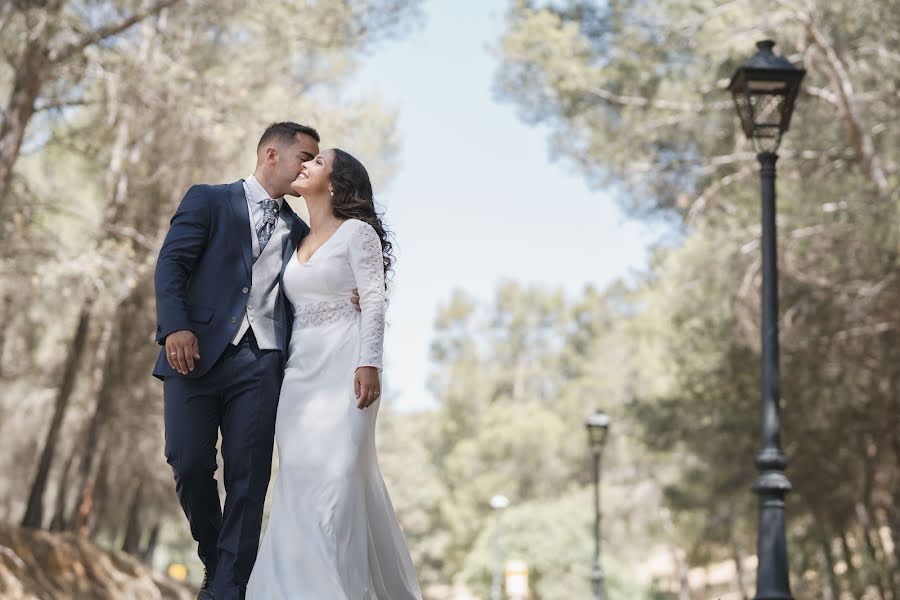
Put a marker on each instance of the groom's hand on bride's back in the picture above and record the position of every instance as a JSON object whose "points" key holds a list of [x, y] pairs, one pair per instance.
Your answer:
{"points": [[182, 348], [355, 299]]}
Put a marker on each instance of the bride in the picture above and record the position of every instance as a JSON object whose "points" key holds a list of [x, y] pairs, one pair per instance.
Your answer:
{"points": [[332, 532]]}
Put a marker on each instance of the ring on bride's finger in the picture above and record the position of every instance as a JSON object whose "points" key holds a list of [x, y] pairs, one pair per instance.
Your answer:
{"points": [[174, 353]]}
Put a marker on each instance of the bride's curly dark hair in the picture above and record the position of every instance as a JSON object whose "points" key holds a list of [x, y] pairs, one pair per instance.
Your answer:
{"points": [[353, 199]]}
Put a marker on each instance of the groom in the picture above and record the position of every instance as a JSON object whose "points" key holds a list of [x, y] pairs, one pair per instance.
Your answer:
{"points": [[225, 325]]}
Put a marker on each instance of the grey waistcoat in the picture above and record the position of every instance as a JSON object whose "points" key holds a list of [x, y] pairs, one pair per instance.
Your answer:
{"points": [[264, 289]]}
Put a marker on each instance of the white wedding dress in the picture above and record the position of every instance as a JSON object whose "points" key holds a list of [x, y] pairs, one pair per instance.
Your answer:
{"points": [[332, 532]]}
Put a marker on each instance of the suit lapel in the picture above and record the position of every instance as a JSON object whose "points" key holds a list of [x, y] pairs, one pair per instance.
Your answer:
{"points": [[238, 202]]}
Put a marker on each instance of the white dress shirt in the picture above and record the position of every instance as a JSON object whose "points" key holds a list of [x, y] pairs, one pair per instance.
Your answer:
{"points": [[255, 193]]}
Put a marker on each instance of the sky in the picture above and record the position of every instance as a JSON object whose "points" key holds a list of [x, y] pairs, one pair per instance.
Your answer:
{"points": [[477, 198]]}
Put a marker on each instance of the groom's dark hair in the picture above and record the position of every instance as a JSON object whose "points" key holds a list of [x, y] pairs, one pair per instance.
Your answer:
{"points": [[285, 132]]}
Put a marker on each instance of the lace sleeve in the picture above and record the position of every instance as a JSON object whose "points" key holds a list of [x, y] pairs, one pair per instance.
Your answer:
{"points": [[366, 259]]}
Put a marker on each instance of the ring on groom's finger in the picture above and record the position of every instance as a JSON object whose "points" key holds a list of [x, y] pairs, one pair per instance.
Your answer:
{"points": [[174, 354]]}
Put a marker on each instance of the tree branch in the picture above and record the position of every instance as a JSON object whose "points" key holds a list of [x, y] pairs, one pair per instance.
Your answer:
{"points": [[107, 31], [613, 98], [128, 232], [5, 17], [60, 104], [713, 162], [699, 205], [822, 93], [860, 140]]}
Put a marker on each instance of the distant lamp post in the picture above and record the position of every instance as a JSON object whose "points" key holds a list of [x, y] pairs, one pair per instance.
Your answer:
{"points": [[498, 503], [764, 91], [597, 428]]}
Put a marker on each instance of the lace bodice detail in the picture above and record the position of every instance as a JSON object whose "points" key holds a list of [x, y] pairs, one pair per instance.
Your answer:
{"points": [[320, 290], [323, 313]]}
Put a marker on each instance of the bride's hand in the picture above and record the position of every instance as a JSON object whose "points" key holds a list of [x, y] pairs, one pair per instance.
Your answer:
{"points": [[367, 386]]}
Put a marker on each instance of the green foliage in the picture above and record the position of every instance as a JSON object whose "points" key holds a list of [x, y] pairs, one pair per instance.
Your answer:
{"points": [[516, 380], [553, 537]]}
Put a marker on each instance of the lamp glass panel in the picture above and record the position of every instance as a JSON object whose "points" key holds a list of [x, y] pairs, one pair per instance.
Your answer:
{"points": [[756, 85], [597, 435]]}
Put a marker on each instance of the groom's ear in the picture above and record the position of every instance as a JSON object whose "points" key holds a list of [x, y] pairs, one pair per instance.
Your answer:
{"points": [[266, 154]]}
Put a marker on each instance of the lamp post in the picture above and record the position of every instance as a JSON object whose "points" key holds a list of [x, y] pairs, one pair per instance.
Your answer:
{"points": [[764, 91], [498, 503], [597, 427]]}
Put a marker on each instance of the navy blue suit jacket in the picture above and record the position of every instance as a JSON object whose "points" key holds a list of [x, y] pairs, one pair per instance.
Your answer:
{"points": [[204, 268]]}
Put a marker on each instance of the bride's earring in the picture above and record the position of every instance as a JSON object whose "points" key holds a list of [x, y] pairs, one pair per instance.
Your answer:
{"points": [[331, 191]]}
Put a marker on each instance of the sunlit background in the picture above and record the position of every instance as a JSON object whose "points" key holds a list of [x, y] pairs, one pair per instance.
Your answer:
{"points": [[576, 215], [478, 196]]}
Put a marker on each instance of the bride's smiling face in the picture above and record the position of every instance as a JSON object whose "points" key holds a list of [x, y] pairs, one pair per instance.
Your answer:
{"points": [[315, 175]]}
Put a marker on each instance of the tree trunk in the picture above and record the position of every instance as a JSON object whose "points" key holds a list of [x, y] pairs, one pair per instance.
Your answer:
{"points": [[740, 573], [4, 312], [94, 522], [684, 584], [133, 532], [870, 454], [29, 74], [34, 513], [146, 554], [98, 419], [856, 584], [830, 587], [878, 559], [892, 509], [57, 523]]}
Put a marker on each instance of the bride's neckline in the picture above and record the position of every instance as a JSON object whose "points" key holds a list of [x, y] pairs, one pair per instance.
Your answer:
{"points": [[322, 245]]}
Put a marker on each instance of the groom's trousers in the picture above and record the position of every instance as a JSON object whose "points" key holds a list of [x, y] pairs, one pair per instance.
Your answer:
{"points": [[238, 395]]}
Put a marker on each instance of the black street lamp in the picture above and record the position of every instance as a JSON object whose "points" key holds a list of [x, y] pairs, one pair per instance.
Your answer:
{"points": [[597, 427], [764, 92]]}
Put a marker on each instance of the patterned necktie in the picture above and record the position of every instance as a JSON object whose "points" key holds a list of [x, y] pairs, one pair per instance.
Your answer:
{"points": [[267, 227]]}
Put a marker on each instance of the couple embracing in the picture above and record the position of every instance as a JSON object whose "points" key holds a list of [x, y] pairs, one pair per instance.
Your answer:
{"points": [[273, 331]]}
